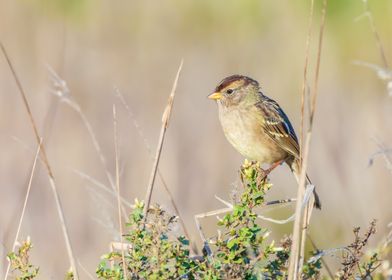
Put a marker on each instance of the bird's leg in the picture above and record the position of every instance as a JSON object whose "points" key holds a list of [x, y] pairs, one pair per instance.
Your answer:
{"points": [[272, 167]]}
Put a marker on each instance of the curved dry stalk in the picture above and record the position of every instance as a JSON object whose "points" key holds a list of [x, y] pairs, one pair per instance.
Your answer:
{"points": [[52, 183]]}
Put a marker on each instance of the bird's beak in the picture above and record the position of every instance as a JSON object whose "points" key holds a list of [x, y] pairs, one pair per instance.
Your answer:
{"points": [[216, 95]]}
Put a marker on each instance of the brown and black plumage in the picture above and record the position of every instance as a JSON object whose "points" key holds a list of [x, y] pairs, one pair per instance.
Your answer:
{"points": [[256, 125]]}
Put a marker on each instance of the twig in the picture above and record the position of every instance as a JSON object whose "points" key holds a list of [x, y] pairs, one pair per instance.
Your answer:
{"points": [[280, 201], [307, 197], [46, 163], [299, 234], [24, 206], [150, 152], [165, 124]]}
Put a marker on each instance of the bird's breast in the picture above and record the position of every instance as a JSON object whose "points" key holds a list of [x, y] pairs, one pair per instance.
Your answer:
{"points": [[244, 130]]}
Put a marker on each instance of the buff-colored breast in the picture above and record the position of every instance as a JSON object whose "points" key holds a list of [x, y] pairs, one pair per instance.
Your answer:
{"points": [[244, 130]]}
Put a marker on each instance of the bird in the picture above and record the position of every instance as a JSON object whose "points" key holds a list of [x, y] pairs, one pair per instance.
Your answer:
{"points": [[256, 126]]}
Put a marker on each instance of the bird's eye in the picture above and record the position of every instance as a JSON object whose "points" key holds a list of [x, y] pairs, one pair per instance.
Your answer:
{"points": [[229, 91]]}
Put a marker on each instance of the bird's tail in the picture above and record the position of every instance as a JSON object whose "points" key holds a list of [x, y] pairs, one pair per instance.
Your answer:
{"points": [[317, 202], [295, 168]]}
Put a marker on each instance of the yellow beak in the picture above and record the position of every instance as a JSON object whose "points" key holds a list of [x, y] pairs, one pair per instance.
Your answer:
{"points": [[215, 95]]}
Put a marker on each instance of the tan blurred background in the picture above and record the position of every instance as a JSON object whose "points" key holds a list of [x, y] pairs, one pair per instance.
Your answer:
{"points": [[136, 46]]}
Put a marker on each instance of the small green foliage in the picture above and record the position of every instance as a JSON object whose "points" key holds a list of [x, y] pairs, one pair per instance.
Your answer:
{"points": [[367, 268], [242, 244], [20, 262], [311, 270], [70, 275], [241, 250], [276, 268], [152, 254]]}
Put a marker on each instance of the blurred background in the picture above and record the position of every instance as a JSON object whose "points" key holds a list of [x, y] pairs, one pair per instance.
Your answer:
{"points": [[136, 47]]}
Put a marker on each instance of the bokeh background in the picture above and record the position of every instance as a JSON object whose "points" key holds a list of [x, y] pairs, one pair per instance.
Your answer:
{"points": [[136, 47]]}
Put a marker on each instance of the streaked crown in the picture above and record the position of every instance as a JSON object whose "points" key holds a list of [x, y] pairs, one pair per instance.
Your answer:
{"points": [[235, 81]]}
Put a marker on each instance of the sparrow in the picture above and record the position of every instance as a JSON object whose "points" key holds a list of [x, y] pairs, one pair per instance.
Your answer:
{"points": [[256, 125]]}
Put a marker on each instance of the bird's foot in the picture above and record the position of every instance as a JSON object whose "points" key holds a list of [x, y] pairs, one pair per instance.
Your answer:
{"points": [[262, 175]]}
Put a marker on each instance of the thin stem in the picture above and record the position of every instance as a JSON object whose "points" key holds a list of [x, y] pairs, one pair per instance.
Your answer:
{"points": [[150, 152], [118, 191], [297, 249], [317, 71], [24, 205], [47, 165], [305, 76], [375, 33], [165, 124]]}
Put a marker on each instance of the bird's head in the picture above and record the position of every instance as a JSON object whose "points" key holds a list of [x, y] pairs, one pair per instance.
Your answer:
{"points": [[235, 90]]}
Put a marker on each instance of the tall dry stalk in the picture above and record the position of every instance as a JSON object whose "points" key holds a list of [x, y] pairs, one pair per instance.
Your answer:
{"points": [[118, 191], [24, 206], [52, 183], [150, 152], [302, 217], [165, 124]]}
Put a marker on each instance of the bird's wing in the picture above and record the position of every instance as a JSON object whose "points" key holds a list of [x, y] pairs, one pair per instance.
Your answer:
{"points": [[277, 125]]}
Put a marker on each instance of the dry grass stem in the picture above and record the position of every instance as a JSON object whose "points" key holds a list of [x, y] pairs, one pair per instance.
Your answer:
{"points": [[165, 123], [24, 205], [103, 187], [302, 217], [118, 190], [150, 152], [61, 90], [89, 275], [317, 70], [305, 76], [46, 163], [375, 33]]}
